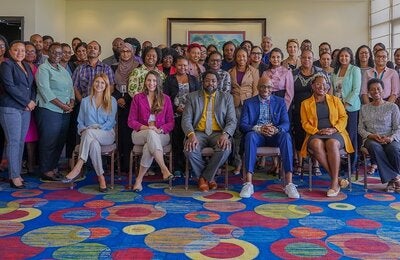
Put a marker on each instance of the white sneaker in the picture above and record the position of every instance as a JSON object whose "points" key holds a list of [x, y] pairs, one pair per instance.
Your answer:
{"points": [[247, 190], [291, 191]]}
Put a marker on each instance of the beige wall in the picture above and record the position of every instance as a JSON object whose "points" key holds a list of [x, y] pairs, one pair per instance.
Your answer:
{"points": [[340, 22]]}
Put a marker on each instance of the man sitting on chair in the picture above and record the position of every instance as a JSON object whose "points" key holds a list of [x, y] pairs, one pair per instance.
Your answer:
{"points": [[265, 122], [208, 120]]}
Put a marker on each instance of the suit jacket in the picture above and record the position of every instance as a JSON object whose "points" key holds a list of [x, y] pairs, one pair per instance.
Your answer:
{"points": [[18, 88], [337, 118], [223, 109], [248, 88], [140, 112], [251, 114]]}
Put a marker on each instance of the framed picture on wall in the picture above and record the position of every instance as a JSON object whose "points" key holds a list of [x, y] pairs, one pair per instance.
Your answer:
{"points": [[217, 38], [183, 30]]}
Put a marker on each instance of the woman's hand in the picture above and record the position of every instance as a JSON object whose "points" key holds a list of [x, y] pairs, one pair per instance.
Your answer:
{"points": [[327, 131], [378, 138]]}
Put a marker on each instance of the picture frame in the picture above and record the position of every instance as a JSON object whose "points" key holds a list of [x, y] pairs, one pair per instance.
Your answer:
{"points": [[217, 38], [178, 28]]}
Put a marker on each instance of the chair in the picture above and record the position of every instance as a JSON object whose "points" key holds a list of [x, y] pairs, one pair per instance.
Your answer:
{"points": [[110, 151], [343, 154], [366, 156], [269, 151], [135, 155], [206, 152]]}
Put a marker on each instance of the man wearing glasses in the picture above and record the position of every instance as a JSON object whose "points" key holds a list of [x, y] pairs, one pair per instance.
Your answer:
{"points": [[214, 64], [265, 122]]}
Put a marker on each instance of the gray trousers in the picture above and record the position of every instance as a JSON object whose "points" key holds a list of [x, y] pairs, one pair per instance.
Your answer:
{"points": [[15, 123], [217, 160], [386, 156], [91, 142], [151, 141]]}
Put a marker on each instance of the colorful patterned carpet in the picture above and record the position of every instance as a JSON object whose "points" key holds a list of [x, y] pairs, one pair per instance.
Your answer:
{"points": [[50, 221]]}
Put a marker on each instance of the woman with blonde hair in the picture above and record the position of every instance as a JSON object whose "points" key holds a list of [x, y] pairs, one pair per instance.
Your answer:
{"points": [[152, 119], [96, 122], [292, 62]]}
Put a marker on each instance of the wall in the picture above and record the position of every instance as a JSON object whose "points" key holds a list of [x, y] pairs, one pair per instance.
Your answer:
{"points": [[340, 22], [41, 16]]}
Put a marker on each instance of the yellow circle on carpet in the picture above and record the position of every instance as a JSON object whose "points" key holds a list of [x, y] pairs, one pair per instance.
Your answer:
{"points": [[138, 229], [341, 206], [282, 211], [249, 251], [11, 206]]}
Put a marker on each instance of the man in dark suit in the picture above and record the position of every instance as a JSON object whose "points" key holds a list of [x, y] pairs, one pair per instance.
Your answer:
{"points": [[208, 120], [265, 122]]}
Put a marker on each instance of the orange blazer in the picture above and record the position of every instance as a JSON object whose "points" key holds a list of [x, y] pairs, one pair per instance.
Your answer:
{"points": [[337, 117]]}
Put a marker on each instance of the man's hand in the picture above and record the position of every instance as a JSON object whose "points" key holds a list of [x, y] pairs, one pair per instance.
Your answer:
{"points": [[269, 130], [223, 142], [31, 105], [191, 143]]}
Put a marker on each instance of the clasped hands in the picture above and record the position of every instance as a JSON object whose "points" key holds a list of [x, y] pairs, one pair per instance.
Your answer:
{"points": [[381, 139], [327, 131], [269, 130], [223, 142]]}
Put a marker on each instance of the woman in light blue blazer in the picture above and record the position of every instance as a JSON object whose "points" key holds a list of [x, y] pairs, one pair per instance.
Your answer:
{"points": [[346, 85]]}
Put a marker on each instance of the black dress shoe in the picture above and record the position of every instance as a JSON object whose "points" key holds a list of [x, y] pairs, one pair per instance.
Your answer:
{"points": [[12, 185], [103, 190]]}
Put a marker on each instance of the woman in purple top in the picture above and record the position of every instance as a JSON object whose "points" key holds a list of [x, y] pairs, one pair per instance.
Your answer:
{"points": [[281, 77], [152, 119]]}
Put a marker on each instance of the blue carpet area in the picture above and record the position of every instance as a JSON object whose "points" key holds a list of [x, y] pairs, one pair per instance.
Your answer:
{"points": [[50, 221]]}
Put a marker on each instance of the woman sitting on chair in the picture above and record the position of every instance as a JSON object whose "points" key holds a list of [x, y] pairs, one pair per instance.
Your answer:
{"points": [[379, 126], [96, 122], [324, 120], [152, 119]]}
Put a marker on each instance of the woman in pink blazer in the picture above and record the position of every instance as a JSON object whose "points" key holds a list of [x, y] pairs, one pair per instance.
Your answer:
{"points": [[151, 118]]}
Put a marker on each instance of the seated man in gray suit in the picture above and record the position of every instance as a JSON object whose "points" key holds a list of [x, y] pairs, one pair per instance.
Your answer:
{"points": [[208, 120]]}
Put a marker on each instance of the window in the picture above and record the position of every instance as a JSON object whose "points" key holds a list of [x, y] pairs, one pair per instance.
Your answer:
{"points": [[385, 23]]}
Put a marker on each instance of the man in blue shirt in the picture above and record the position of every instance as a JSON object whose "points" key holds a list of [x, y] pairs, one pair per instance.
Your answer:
{"points": [[265, 122]]}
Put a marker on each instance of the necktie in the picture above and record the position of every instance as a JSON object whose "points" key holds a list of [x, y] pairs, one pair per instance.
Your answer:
{"points": [[208, 129]]}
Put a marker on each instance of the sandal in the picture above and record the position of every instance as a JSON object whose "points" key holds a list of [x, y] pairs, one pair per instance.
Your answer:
{"points": [[297, 170], [343, 183], [316, 170], [391, 186], [372, 169]]}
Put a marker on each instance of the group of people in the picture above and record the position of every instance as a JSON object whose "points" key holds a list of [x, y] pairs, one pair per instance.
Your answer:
{"points": [[194, 96]]}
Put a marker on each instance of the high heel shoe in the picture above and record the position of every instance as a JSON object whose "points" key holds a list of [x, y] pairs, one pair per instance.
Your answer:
{"points": [[137, 189], [169, 177], [67, 180], [103, 190], [20, 187]]}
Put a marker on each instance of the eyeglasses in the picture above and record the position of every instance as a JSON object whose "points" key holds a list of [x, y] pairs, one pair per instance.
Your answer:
{"points": [[2, 46], [125, 51], [215, 60], [57, 53], [30, 52], [266, 86], [256, 53], [381, 56]]}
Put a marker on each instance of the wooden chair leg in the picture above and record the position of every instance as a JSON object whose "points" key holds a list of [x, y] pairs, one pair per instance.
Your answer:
{"points": [[349, 170], [130, 170], [170, 170], [310, 173], [187, 175], [365, 174], [112, 169], [226, 176]]}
